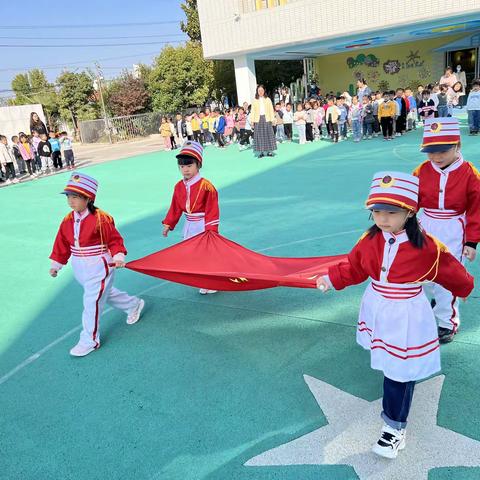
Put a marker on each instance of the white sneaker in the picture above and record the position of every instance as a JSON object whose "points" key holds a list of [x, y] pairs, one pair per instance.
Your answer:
{"points": [[15, 180], [80, 350], [390, 442], [8, 182], [134, 316], [205, 291]]}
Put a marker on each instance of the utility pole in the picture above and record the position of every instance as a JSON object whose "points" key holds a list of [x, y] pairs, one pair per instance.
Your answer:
{"points": [[99, 84]]}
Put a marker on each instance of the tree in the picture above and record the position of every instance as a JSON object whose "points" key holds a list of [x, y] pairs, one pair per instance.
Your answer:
{"points": [[273, 73], [192, 26], [21, 85], [127, 96], [224, 80], [33, 87], [180, 78], [77, 97]]}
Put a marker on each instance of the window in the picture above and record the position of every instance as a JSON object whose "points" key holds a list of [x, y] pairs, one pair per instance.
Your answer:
{"points": [[254, 5]]}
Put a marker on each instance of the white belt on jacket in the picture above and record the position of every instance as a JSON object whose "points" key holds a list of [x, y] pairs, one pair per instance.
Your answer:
{"points": [[396, 291], [440, 214], [91, 251], [195, 217]]}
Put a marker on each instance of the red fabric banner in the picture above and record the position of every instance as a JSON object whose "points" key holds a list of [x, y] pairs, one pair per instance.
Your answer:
{"points": [[211, 261]]}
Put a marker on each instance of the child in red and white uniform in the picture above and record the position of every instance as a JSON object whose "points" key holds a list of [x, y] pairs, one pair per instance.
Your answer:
{"points": [[396, 322], [193, 196], [88, 235], [450, 198]]}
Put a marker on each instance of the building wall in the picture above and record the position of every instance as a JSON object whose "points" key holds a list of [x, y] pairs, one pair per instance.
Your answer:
{"points": [[228, 31], [15, 119], [416, 63]]}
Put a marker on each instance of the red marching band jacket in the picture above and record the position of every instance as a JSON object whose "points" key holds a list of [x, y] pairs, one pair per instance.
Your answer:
{"points": [[456, 188], [203, 199], [411, 265], [96, 231]]}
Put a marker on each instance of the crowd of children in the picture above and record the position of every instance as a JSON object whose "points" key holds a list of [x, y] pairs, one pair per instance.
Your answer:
{"points": [[28, 156], [337, 118]]}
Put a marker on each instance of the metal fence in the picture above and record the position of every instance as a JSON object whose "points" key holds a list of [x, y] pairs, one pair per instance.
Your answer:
{"points": [[118, 129]]}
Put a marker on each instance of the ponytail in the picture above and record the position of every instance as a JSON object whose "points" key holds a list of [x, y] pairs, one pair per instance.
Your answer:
{"points": [[91, 207], [414, 232]]}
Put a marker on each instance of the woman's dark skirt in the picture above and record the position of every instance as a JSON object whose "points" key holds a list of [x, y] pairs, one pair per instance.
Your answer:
{"points": [[264, 136]]}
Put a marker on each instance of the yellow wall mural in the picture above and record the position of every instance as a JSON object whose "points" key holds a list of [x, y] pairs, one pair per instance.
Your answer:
{"points": [[388, 67]]}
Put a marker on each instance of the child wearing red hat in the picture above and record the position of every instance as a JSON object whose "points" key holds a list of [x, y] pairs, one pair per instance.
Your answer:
{"points": [[450, 198], [88, 235], [194, 196], [396, 322]]}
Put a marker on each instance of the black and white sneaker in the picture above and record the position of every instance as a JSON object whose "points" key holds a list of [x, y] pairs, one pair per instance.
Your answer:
{"points": [[445, 335], [390, 442]]}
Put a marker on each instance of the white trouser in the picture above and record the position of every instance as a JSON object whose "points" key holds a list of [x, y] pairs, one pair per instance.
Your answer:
{"points": [[451, 232], [96, 277], [47, 163]]}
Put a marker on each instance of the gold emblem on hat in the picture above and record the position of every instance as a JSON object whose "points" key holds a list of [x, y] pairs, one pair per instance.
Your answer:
{"points": [[76, 178], [436, 127], [387, 181]]}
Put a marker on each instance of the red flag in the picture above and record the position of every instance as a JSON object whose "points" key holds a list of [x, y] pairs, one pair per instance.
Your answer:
{"points": [[211, 261]]}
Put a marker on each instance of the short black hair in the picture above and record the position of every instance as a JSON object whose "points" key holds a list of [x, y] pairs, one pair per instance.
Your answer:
{"points": [[14, 137], [2, 137], [187, 160]]}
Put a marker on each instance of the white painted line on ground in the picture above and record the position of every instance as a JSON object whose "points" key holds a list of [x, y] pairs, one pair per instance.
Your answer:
{"points": [[401, 157], [37, 355]]}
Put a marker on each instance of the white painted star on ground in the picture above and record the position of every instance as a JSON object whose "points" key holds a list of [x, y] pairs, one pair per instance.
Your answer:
{"points": [[354, 426]]}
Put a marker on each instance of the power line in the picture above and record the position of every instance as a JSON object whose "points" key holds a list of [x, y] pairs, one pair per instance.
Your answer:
{"points": [[88, 45], [94, 38], [95, 25], [81, 62]]}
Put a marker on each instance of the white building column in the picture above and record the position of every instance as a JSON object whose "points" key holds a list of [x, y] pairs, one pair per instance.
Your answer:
{"points": [[245, 78]]}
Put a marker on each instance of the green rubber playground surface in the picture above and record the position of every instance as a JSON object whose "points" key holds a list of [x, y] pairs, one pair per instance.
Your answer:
{"points": [[201, 384]]}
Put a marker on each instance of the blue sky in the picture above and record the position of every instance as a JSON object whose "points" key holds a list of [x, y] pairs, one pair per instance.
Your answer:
{"points": [[42, 28]]}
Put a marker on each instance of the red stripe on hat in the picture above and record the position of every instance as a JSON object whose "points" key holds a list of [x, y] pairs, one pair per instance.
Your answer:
{"points": [[82, 191], [441, 140], [391, 199], [193, 153], [397, 187], [398, 180]]}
